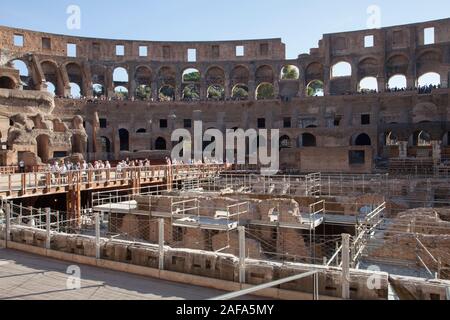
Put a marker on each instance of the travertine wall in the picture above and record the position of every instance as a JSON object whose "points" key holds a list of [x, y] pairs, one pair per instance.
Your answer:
{"points": [[319, 131]]}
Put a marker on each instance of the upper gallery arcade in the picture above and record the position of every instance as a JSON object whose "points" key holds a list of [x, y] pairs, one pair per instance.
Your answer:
{"points": [[368, 61]]}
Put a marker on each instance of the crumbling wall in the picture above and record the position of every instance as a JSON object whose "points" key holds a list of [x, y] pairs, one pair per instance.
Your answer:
{"points": [[400, 240]]}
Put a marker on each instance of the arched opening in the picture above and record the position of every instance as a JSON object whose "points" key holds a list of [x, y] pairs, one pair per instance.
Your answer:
{"points": [[160, 144], [120, 77], [315, 89], [21, 66], [426, 65], [368, 85], [143, 78], [215, 76], [240, 75], [191, 75], [124, 137], [98, 90], [75, 75], [308, 140], [429, 80], [77, 144], [397, 82], [264, 74], [51, 75], [98, 80], [216, 92], [121, 92], [265, 91], [368, 67], [240, 92], [290, 72], [167, 93], [421, 139], [25, 80], [391, 139], [51, 88], [313, 72], [362, 140], [75, 90], [43, 147], [143, 92], [166, 84], [7, 83], [105, 145], [397, 65], [285, 142], [341, 69], [191, 92]]}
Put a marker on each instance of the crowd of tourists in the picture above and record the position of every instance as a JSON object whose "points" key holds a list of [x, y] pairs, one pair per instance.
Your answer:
{"points": [[63, 167]]}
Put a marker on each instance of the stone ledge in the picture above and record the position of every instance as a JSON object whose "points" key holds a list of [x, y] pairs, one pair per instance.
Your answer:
{"points": [[228, 286]]}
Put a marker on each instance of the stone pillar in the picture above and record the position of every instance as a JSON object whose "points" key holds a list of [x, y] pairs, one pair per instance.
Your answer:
{"points": [[178, 90], [436, 150], [63, 83], [381, 84], [403, 149], [155, 92], [37, 74], [276, 89], [203, 88], [227, 88], [354, 83], [251, 90], [301, 85], [132, 85], [326, 80], [115, 143], [87, 89], [95, 128], [109, 83]]}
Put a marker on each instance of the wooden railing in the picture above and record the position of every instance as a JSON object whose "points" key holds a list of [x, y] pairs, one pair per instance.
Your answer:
{"points": [[42, 182], [8, 170]]}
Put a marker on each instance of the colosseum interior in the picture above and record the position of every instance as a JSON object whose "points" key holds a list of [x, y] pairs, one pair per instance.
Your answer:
{"points": [[364, 122]]}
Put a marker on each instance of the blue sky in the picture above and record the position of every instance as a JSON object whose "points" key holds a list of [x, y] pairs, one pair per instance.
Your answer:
{"points": [[299, 23]]}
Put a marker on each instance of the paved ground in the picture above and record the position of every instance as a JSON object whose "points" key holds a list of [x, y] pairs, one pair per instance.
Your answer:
{"points": [[28, 277]]}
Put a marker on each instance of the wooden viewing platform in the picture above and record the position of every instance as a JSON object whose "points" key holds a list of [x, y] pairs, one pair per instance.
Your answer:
{"points": [[22, 185]]}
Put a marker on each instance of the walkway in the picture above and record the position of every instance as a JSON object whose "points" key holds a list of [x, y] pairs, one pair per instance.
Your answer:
{"points": [[28, 277]]}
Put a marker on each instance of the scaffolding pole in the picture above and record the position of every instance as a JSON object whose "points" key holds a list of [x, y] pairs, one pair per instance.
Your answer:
{"points": [[97, 235], [8, 224], [345, 266], [47, 228], [241, 231], [161, 244]]}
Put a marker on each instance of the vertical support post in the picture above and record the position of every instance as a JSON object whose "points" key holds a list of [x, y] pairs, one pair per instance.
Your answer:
{"points": [[47, 228], [345, 266], [439, 268], [329, 186], [316, 287], [363, 184], [8, 224], [97, 235], [241, 231], [161, 244], [20, 216], [337, 256]]}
